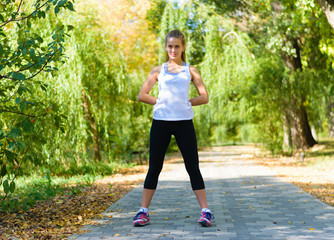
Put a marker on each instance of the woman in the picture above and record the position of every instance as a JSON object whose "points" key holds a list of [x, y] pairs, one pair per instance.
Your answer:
{"points": [[172, 115]]}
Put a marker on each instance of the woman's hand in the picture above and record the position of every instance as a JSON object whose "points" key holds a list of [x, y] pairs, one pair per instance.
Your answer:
{"points": [[144, 93], [202, 97]]}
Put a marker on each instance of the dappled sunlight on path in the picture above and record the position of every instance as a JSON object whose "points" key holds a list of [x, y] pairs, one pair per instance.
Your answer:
{"points": [[248, 201]]}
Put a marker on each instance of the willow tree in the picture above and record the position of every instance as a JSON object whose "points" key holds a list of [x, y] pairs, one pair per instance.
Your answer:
{"points": [[271, 65], [221, 53], [92, 90]]}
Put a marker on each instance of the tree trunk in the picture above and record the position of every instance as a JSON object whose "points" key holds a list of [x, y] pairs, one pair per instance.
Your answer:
{"points": [[91, 119], [331, 119], [327, 7], [297, 127], [287, 142], [296, 117]]}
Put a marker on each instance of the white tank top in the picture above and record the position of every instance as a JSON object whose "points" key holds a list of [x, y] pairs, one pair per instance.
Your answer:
{"points": [[173, 101]]}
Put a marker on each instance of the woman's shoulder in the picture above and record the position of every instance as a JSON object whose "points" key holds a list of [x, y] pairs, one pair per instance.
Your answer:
{"points": [[155, 72], [193, 70], [156, 69]]}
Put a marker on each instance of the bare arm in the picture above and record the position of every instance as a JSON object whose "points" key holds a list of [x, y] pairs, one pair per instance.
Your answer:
{"points": [[144, 93], [202, 97]]}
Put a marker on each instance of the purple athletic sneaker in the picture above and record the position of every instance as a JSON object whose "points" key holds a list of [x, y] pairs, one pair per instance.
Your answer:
{"points": [[141, 219], [205, 219]]}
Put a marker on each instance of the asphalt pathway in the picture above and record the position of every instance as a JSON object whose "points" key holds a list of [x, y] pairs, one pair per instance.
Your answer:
{"points": [[248, 202]]}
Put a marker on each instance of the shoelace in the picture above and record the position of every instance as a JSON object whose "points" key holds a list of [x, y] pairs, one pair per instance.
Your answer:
{"points": [[209, 215], [138, 215]]}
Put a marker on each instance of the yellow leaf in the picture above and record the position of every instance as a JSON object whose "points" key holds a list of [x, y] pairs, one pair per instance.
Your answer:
{"points": [[212, 190], [165, 218], [311, 229], [117, 235]]}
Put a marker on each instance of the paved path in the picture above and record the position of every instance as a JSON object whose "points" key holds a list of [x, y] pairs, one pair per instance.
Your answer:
{"points": [[247, 201]]}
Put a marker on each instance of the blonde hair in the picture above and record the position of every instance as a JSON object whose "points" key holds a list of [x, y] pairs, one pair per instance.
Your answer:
{"points": [[177, 34]]}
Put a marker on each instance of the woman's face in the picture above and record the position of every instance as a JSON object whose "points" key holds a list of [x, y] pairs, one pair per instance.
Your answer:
{"points": [[174, 48]]}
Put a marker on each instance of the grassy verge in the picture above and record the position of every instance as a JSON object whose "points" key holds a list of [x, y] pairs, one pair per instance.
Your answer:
{"points": [[39, 187], [62, 207]]}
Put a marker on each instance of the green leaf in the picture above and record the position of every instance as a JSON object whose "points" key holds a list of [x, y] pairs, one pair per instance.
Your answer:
{"points": [[3, 170], [14, 133], [57, 9], [43, 87], [24, 51], [62, 2], [17, 100], [20, 145], [70, 6], [39, 39], [32, 53], [1, 67], [22, 106], [70, 27], [6, 186], [19, 76], [27, 126], [28, 23], [11, 146], [1, 18], [12, 186], [31, 103], [1, 49], [9, 155], [21, 90]]}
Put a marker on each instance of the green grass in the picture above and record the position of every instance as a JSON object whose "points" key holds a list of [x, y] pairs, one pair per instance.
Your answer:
{"points": [[44, 184], [322, 159]]}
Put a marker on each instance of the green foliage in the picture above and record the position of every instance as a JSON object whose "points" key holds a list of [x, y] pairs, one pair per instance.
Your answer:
{"points": [[153, 15], [245, 65], [26, 54]]}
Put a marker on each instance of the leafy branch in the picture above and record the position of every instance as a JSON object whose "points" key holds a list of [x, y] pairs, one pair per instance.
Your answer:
{"points": [[16, 20]]}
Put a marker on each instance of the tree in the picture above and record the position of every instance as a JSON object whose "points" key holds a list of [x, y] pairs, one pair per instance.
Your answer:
{"points": [[25, 55], [327, 7]]}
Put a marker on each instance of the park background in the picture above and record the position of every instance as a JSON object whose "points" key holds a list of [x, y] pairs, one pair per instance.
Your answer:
{"points": [[70, 74]]}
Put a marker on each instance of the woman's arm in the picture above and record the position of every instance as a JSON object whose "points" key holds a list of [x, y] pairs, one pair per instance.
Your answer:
{"points": [[202, 97], [144, 93]]}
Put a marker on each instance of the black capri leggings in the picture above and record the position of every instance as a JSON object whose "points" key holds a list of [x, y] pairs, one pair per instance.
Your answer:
{"points": [[184, 132]]}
